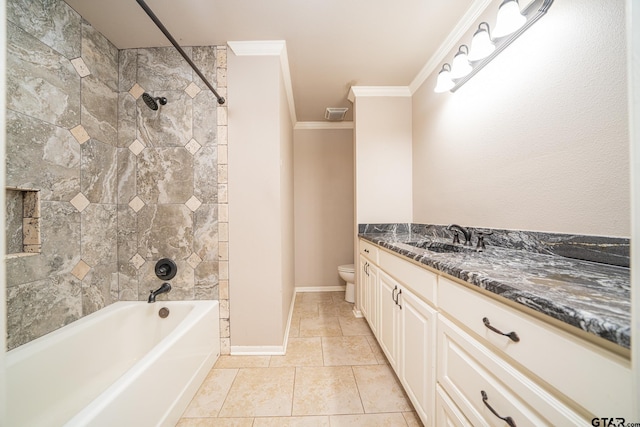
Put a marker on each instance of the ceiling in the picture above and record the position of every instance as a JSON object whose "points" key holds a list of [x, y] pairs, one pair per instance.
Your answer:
{"points": [[331, 44]]}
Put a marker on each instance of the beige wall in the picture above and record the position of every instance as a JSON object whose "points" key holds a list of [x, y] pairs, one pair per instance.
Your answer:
{"points": [[538, 140], [260, 235], [324, 207], [382, 157]]}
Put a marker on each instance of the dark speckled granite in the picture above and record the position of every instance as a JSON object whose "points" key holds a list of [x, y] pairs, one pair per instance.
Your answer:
{"points": [[592, 296]]}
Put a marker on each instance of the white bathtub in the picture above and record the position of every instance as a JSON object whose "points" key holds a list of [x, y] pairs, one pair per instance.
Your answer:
{"points": [[120, 366]]}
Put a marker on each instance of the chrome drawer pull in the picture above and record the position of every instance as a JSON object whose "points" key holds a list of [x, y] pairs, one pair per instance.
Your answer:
{"points": [[507, 420], [514, 337]]}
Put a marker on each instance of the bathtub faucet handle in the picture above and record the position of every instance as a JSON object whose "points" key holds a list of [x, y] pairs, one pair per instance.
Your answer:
{"points": [[166, 287]]}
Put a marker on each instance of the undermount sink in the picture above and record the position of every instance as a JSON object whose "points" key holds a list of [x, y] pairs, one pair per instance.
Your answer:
{"points": [[441, 247]]}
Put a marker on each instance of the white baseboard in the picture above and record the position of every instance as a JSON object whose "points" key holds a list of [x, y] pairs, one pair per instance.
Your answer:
{"points": [[321, 288], [357, 313], [257, 350]]}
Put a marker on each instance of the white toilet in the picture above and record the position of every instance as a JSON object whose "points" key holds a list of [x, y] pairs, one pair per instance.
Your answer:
{"points": [[348, 274]]}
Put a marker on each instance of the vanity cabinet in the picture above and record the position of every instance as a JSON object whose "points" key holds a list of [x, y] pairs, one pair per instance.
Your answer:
{"points": [[368, 284], [453, 349]]}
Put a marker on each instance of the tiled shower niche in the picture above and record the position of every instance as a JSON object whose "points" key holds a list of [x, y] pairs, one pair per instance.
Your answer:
{"points": [[22, 224], [121, 185]]}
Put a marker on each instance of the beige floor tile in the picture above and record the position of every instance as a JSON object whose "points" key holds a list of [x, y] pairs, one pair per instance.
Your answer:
{"points": [[294, 327], [412, 419], [354, 326], [260, 392], [328, 309], [316, 297], [292, 422], [305, 309], [326, 391], [377, 351], [368, 420], [242, 362], [380, 390], [211, 394], [300, 352], [344, 308], [337, 296], [320, 327], [215, 422], [342, 351]]}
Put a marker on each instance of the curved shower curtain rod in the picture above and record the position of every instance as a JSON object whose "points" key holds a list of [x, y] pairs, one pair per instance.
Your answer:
{"points": [[175, 44]]}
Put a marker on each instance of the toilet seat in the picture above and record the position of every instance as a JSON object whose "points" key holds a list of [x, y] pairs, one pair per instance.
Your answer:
{"points": [[347, 268]]}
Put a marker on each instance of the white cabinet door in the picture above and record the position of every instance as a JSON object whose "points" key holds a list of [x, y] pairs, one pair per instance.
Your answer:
{"points": [[362, 287], [372, 296], [389, 318], [417, 352]]}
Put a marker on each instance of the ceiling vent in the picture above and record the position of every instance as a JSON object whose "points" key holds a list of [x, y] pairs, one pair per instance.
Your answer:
{"points": [[335, 114]]}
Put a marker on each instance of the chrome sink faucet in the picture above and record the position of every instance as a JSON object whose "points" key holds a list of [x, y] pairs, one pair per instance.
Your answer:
{"points": [[464, 231]]}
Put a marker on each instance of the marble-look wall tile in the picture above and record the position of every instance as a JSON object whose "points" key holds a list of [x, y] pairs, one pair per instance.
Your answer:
{"points": [[99, 110], [99, 234], [165, 175], [165, 231], [127, 241], [54, 23], [205, 117], [34, 145], [98, 174], [170, 125], [163, 69], [41, 82], [60, 246], [206, 280], [206, 174], [205, 59], [127, 113], [126, 176], [97, 287], [100, 56], [205, 227], [127, 69], [37, 308]]}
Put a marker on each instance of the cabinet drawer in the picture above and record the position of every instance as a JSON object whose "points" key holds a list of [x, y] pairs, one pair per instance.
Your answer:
{"points": [[369, 250], [470, 374], [595, 379], [422, 282], [447, 413]]}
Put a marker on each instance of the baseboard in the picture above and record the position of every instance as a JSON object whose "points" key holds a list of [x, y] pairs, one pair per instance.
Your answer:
{"points": [[257, 350], [321, 288], [357, 313]]}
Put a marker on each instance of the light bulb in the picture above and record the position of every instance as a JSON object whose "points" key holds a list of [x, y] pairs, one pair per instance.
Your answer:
{"points": [[444, 82], [509, 18], [460, 66], [481, 44]]}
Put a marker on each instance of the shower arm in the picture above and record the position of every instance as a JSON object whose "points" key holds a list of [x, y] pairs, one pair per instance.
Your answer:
{"points": [[175, 44]]}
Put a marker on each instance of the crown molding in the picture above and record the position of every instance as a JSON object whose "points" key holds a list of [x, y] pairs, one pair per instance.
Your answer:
{"points": [[397, 91], [323, 125], [270, 48], [467, 20]]}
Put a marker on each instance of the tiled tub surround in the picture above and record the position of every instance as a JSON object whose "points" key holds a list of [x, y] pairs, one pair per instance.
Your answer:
{"points": [[120, 185], [594, 297]]}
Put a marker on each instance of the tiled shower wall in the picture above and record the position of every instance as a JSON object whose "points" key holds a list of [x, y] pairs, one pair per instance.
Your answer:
{"points": [[120, 185]]}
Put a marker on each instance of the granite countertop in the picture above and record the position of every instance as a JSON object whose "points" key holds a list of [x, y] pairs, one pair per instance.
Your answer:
{"points": [[592, 296]]}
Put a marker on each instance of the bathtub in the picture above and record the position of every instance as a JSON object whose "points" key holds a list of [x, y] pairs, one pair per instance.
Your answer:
{"points": [[120, 366]]}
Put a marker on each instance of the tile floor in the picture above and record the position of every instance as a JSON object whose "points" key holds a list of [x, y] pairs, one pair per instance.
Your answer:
{"points": [[334, 374]]}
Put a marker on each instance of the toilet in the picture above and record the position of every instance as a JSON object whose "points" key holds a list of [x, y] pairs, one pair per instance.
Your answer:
{"points": [[347, 273]]}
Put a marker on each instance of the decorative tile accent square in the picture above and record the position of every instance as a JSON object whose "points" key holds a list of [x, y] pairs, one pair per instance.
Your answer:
{"points": [[80, 202], [192, 146], [136, 91], [136, 147], [81, 269], [137, 261], [193, 203], [80, 134], [194, 260], [192, 90], [136, 204], [81, 67]]}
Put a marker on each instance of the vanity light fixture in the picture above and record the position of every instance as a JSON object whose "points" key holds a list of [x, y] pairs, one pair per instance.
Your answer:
{"points": [[481, 44], [509, 18], [460, 66], [484, 48], [444, 80]]}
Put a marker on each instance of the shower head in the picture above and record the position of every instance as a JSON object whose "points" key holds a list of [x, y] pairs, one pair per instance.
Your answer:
{"points": [[153, 102]]}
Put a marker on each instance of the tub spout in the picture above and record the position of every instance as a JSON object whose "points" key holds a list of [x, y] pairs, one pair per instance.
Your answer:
{"points": [[161, 290]]}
